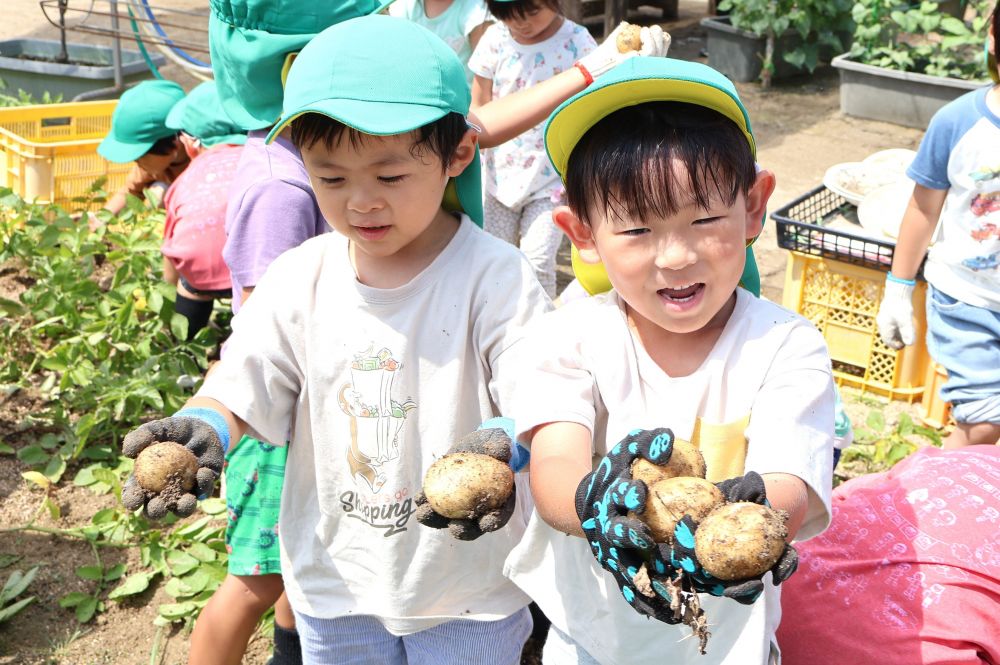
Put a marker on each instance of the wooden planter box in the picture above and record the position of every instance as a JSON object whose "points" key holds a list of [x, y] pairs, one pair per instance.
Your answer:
{"points": [[902, 98]]}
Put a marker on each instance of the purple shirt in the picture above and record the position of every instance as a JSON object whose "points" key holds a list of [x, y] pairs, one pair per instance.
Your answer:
{"points": [[271, 209]]}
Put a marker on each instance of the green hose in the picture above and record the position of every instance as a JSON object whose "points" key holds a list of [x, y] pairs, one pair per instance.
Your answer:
{"points": [[142, 48]]}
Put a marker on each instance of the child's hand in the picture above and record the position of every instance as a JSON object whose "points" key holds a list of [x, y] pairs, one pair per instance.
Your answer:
{"points": [[654, 42], [622, 544], [204, 436], [748, 488], [495, 439], [895, 314]]}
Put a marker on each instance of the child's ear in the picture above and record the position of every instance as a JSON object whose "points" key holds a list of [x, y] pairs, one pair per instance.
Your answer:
{"points": [[464, 153], [757, 198], [578, 233]]}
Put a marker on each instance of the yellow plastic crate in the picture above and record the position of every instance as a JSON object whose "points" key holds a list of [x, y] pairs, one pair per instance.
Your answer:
{"points": [[933, 410], [842, 301], [48, 152]]}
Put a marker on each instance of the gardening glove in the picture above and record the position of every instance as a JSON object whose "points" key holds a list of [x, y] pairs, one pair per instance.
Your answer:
{"points": [[745, 488], [622, 544], [605, 57], [204, 432], [494, 438], [895, 314]]}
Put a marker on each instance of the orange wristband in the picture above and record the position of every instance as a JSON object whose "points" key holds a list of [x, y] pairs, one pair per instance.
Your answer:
{"points": [[587, 77]]}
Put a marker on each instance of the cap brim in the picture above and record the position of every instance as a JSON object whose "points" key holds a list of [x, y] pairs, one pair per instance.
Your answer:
{"points": [[577, 115], [120, 152], [377, 118], [231, 139]]}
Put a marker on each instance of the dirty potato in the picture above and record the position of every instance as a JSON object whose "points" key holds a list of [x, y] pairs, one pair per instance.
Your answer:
{"points": [[467, 485], [740, 540], [166, 464], [685, 460], [670, 499]]}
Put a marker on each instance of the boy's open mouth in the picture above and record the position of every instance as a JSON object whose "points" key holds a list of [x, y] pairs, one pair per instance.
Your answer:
{"points": [[683, 293]]}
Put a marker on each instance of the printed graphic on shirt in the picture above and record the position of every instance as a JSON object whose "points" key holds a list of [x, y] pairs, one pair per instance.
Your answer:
{"points": [[376, 419], [985, 205]]}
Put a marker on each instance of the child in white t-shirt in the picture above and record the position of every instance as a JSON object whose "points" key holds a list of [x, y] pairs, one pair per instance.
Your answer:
{"points": [[460, 23], [658, 160], [531, 43], [370, 350]]}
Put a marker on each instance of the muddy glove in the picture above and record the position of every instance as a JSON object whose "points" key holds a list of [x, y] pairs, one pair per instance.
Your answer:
{"points": [[745, 488], [202, 431], [607, 56], [895, 314], [622, 544], [494, 438]]}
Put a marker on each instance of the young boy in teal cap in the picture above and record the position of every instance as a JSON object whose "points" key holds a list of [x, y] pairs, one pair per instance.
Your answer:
{"points": [[139, 134], [658, 161], [370, 350]]}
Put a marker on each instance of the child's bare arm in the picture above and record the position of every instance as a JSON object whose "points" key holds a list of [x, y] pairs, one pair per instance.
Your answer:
{"points": [[787, 492], [560, 458], [482, 93], [915, 233], [477, 33]]}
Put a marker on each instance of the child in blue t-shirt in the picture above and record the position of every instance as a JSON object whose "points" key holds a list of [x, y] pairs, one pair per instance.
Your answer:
{"points": [[957, 175]]}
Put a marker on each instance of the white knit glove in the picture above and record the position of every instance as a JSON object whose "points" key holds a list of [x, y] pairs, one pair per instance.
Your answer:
{"points": [[895, 314], [605, 57]]}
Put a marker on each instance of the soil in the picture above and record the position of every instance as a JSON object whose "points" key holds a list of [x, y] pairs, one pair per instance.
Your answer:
{"points": [[800, 133], [57, 61]]}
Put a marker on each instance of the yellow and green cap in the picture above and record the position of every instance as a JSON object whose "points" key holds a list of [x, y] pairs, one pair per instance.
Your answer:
{"points": [[383, 75], [635, 81], [201, 115], [140, 120], [249, 41]]}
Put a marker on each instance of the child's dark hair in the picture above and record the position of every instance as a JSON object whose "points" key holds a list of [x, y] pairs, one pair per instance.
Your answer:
{"points": [[995, 20], [622, 167], [518, 9], [164, 146], [440, 137]]}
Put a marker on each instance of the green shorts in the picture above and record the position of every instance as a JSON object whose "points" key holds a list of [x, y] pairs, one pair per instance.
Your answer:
{"points": [[255, 474]]}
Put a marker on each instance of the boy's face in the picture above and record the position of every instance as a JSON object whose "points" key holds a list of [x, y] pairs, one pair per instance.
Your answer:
{"points": [[381, 193], [677, 273]]}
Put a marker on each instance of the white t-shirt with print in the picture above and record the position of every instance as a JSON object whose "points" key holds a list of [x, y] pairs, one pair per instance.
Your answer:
{"points": [[374, 385], [518, 171], [762, 400], [453, 25]]}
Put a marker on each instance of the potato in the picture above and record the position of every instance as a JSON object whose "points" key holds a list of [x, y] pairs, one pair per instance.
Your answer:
{"points": [[685, 460], [670, 499], [629, 38], [740, 540], [467, 485], [166, 464]]}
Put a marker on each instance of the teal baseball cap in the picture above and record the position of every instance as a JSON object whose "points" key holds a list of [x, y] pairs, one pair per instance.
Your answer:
{"points": [[140, 120], [250, 40], [201, 115], [383, 75], [635, 81]]}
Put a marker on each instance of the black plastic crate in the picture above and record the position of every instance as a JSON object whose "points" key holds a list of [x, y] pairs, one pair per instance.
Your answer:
{"points": [[801, 228]]}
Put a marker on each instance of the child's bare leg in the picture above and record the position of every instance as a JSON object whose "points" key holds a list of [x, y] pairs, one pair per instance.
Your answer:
{"points": [[229, 619], [287, 648], [971, 434]]}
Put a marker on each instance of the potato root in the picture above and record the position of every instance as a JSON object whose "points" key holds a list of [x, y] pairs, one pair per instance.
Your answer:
{"points": [[467, 485], [685, 460], [166, 464], [740, 540], [629, 38], [670, 499]]}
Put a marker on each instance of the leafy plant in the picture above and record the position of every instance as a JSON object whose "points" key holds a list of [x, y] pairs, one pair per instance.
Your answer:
{"points": [[878, 446], [819, 23], [15, 585], [22, 98], [921, 38], [95, 334]]}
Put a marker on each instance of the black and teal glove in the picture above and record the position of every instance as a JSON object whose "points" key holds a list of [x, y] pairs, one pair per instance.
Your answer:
{"points": [[495, 437], [622, 544], [749, 487], [204, 432]]}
